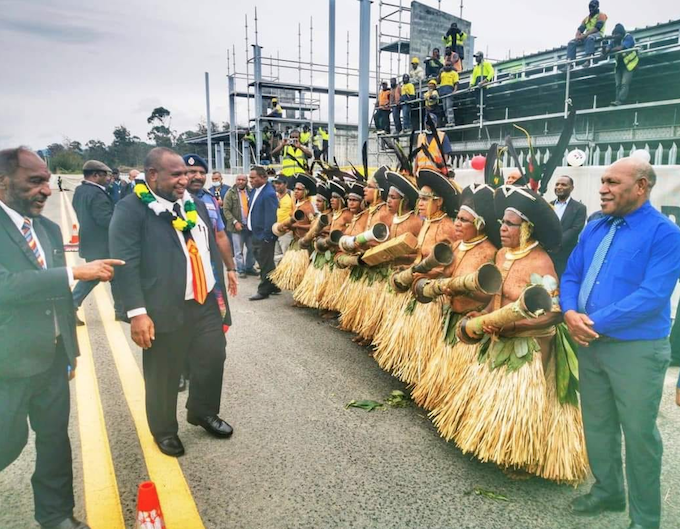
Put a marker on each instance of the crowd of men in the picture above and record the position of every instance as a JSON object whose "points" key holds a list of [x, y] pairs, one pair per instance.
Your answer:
{"points": [[168, 246], [432, 89]]}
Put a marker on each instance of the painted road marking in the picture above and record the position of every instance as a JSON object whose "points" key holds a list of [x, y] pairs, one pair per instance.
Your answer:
{"points": [[177, 502], [102, 499]]}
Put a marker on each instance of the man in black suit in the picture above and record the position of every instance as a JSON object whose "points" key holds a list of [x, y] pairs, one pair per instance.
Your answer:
{"points": [[261, 218], [94, 208], [572, 215], [38, 347], [169, 287]]}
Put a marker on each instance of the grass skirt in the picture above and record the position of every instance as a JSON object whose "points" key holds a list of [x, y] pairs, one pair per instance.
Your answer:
{"points": [[506, 420], [291, 270], [311, 289], [377, 310], [333, 292], [385, 339], [359, 295]]}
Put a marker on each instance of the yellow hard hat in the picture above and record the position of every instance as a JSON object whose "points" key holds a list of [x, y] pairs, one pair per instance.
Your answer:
{"points": [[415, 60], [274, 100]]}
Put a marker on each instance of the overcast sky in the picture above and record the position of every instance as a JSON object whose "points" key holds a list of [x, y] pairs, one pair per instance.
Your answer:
{"points": [[78, 68]]}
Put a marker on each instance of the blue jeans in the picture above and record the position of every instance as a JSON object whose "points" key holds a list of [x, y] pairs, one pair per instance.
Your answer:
{"points": [[396, 118], [588, 44], [406, 116], [242, 239], [447, 103]]}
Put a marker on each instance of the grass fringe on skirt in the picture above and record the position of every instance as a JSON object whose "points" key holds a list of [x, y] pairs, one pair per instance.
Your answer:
{"points": [[386, 339], [506, 420], [377, 310], [311, 289], [565, 460], [359, 294], [331, 294], [291, 270]]}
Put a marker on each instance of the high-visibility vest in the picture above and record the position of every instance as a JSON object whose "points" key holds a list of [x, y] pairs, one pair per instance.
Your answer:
{"points": [[384, 98], [324, 134], [630, 59], [448, 78], [304, 137], [590, 22], [481, 70], [461, 37], [289, 166], [277, 109], [422, 160], [431, 99]]}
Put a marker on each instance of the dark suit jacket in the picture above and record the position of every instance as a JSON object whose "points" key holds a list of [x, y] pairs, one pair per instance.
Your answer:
{"points": [[94, 208], [29, 299], [154, 274], [573, 221], [263, 213]]}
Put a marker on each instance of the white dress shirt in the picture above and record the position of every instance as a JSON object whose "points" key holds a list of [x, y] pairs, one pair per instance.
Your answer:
{"points": [[200, 235], [94, 184], [258, 190], [560, 207]]}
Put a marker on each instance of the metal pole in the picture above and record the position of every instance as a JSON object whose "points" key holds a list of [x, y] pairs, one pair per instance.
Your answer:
{"points": [[246, 155], [233, 127], [257, 69], [566, 91], [221, 164], [209, 124], [247, 77], [331, 79], [364, 63]]}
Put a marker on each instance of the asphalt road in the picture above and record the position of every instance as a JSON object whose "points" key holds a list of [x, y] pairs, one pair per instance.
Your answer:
{"points": [[298, 457]]}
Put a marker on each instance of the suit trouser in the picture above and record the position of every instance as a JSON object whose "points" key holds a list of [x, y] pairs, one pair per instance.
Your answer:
{"points": [[264, 253], [675, 338], [201, 341], [621, 387], [44, 400], [83, 289]]}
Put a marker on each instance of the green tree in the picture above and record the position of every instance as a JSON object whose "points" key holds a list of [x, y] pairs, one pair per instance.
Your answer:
{"points": [[161, 133]]}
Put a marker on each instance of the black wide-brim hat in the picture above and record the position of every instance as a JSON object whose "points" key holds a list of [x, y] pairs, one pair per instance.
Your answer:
{"points": [[355, 188], [308, 182], [337, 187], [547, 227], [381, 179], [480, 199], [443, 188], [333, 171], [405, 185], [323, 189]]}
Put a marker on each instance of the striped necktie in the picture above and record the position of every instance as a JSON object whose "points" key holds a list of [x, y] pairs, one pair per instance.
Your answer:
{"points": [[197, 271], [27, 232], [596, 265]]}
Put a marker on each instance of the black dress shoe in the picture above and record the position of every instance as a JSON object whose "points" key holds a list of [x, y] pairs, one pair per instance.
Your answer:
{"points": [[589, 505], [211, 424], [183, 382], [258, 297], [79, 322], [171, 446], [275, 291], [68, 523]]}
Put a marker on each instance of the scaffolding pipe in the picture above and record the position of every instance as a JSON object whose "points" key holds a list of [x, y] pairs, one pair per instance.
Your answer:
{"points": [[257, 70], [364, 64], [233, 128], [209, 124], [331, 79]]}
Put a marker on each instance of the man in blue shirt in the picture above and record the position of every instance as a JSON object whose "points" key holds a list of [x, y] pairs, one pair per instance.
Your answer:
{"points": [[626, 62], [615, 295]]}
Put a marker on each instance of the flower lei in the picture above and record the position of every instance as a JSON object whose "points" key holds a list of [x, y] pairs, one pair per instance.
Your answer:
{"points": [[142, 191]]}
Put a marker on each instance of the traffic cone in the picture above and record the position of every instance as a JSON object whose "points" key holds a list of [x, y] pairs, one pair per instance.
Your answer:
{"points": [[149, 515], [75, 239]]}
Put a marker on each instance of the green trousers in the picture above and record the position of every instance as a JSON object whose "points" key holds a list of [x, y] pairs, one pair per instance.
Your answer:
{"points": [[621, 388]]}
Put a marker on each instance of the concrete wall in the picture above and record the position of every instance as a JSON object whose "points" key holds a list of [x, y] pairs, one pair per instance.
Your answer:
{"points": [[428, 25]]}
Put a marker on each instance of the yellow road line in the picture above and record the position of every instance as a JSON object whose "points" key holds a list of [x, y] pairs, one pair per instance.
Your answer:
{"points": [[177, 503], [102, 499]]}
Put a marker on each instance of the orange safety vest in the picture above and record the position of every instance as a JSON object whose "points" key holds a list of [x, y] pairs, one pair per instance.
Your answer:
{"points": [[423, 160], [384, 99]]}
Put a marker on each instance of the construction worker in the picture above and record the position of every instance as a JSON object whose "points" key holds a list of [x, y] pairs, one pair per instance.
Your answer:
{"points": [[448, 84], [276, 111], [324, 144], [294, 157], [417, 73], [382, 111], [408, 94], [455, 39], [433, 64], [590, 30], [432, 150], [305, 135], [627, 59], [431, 99], [395, 104], [317, 144], [450, 55], [482, 74]]}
